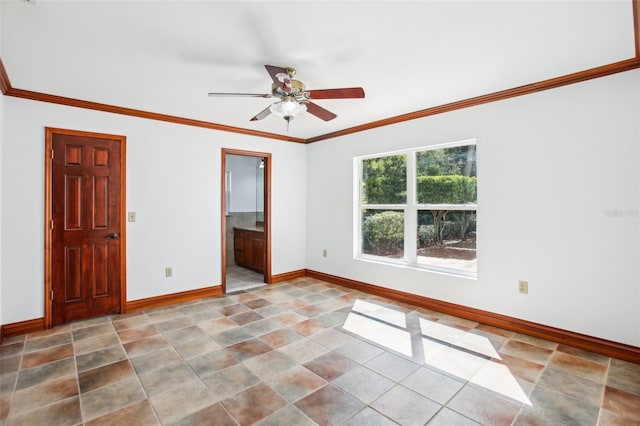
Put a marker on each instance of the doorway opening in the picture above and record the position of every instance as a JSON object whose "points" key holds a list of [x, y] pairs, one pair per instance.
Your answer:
{"points": [[246, 214]]}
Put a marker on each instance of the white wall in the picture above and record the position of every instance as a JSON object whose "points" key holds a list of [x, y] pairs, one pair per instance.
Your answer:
{"points": [[1, 161], [244, 183], [173, 184], [1, 145], [559, 190], [558, 199]]}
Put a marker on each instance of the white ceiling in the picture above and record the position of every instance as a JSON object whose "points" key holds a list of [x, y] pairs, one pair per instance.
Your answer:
{"points": [[165, 56]]}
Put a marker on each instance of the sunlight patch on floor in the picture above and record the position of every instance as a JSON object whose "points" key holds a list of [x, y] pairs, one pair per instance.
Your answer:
{"points": [[386, 335], [381, 313], [460, 338], [457, 352], [497, 378]]}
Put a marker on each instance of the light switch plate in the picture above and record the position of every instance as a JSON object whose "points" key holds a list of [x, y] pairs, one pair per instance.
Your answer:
{"points": [[132, 216], [523, 287]]}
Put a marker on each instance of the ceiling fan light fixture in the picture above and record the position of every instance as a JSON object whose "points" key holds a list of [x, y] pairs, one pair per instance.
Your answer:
{"points": [[294, 98], [287, 108]]}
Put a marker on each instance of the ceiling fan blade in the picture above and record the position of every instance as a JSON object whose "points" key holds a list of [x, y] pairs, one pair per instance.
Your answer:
{"points": [[242, 95], [280, 77], [319, 112], [262, 114], [349, 92]]}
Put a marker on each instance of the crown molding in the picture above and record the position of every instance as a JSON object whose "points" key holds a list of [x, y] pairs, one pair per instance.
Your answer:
{"points": [[78, 103], [636, 25], [5, 84], [527, 89]]}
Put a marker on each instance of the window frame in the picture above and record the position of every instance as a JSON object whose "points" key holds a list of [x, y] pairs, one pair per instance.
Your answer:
{"points": [[410, 211]]}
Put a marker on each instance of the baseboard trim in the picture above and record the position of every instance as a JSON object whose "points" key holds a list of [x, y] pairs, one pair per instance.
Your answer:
{"points": [[581, 341], [37, 324], [171, 298], [22, 327], [300, 273], [588, 343]]}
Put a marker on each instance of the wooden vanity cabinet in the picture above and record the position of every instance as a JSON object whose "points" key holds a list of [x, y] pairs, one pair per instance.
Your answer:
{"points": [[248, 249]]}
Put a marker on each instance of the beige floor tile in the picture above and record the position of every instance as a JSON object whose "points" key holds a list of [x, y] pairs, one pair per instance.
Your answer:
{"points": [[62, 412], [364, 384], [102, 376], [139, 414], [100, 357], [288, 415], [299, 352], [253, 404], [434, 385], [34, 397], [107, 399], [167, 378], [182, 400], [548, 405], [484, 407], [270, 364], [329, 405], [43, 373], [213, 413], [581, 367], [296, 383], [625, 376], [230, 381], [405, 406]]}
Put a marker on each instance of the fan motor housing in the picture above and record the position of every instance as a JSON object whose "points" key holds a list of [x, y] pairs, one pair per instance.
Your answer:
{"points": [[297, 87]]}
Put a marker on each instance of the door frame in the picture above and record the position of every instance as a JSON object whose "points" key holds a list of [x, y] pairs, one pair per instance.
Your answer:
{"points": [[48, 239], [267, 210]]}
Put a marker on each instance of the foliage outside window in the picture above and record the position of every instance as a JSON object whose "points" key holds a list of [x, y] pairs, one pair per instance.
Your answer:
{"points": [[418, 207]]}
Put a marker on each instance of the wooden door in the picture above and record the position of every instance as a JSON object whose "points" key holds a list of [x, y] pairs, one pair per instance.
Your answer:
{"points": [[86, 225]]}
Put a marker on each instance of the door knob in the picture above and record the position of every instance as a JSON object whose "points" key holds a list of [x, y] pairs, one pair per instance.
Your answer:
{"points": [[114, 235]]}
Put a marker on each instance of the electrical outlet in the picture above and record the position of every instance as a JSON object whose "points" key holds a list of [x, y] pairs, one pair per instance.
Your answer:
{"points": [[324, 253], [523, 287], [168, 272]]}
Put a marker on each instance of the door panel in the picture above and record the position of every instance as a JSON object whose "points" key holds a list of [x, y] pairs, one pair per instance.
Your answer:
{"points": [[86, 252], [73, 274], [100, 269], [72, 206], [100, 202]]}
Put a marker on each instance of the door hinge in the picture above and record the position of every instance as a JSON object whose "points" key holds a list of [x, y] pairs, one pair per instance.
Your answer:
{"points": [[51, 224], [52, 154], [51, 295]]}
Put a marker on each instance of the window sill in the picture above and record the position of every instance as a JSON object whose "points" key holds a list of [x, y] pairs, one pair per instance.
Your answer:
{"points": [[401, 263]]}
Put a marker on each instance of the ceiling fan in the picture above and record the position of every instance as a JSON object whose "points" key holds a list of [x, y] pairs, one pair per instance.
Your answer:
{"points": [[294, 98]]}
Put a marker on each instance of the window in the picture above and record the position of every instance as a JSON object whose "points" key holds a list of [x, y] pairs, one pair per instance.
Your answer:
{"points": [[418, 207]]}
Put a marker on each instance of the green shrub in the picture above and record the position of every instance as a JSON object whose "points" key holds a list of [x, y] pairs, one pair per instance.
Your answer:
{"points": [[450, 225], [426, 235], [385, 180], [383, 232], [447, 189], [450, 230]]}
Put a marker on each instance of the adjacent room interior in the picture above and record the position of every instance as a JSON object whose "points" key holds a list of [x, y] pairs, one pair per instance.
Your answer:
{"points": [[245, 254]]}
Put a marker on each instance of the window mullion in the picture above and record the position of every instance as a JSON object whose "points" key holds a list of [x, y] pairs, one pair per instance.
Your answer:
{"points": [[357, 219], [410, 213]]}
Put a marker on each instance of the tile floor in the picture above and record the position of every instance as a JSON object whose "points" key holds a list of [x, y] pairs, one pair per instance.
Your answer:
{"points": [[305, 352], [239, 278]]}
